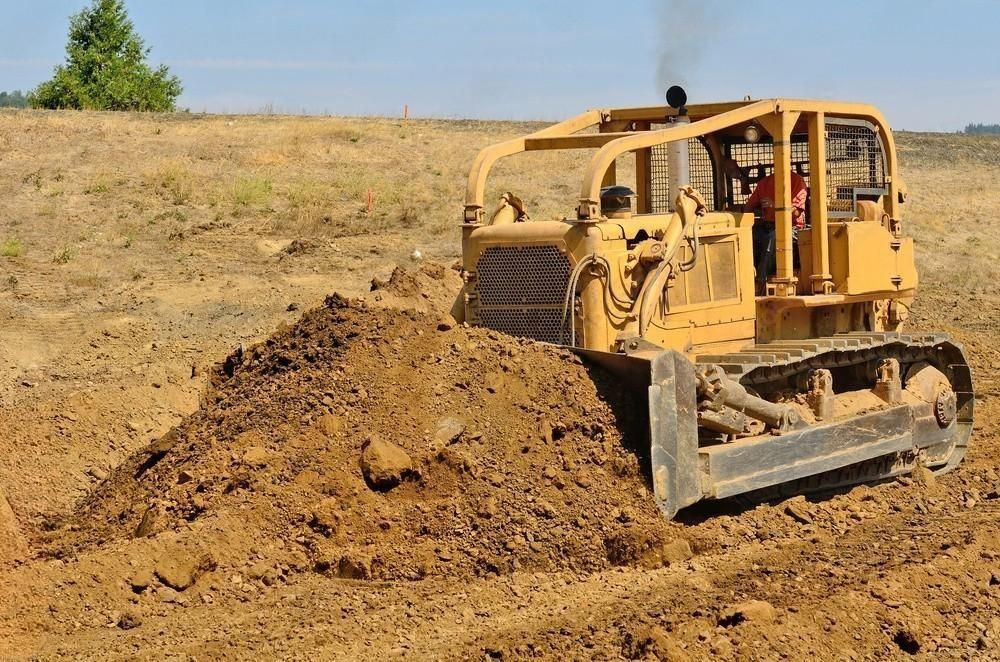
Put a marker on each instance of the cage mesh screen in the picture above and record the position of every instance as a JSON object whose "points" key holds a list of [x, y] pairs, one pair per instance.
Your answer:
{"points": [[855, 162], [757, 161], [702, 177]]}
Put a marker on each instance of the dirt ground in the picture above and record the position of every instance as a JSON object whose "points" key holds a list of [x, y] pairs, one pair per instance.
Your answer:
{"points": [[207, 454]]}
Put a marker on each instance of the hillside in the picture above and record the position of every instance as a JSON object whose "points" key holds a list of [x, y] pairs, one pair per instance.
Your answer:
{"points": [[139, 252]]}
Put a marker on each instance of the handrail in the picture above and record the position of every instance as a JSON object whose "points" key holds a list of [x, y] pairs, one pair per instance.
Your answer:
{"points": [[476, 189]]}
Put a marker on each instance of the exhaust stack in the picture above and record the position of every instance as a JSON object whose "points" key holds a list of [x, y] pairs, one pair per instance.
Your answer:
{"points": [[678, 163]]}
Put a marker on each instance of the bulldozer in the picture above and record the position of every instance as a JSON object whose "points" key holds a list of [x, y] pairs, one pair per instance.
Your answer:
{"points": [[762, 380]]}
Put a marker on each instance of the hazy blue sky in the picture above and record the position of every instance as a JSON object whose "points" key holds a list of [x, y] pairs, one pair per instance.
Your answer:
{"points": [[928, 65]]}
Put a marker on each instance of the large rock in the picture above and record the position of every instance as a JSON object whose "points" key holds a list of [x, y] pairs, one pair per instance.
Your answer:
{"points": [[448, 431], [756, 611], [384, 464], [12, 544], [180, 569]]}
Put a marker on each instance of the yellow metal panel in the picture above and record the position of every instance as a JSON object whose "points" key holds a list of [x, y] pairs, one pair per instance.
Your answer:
{"points": [[863, 259], [906, 265]]}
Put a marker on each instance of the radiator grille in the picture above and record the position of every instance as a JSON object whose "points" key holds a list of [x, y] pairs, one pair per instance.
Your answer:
{"points": [[521, 289]]}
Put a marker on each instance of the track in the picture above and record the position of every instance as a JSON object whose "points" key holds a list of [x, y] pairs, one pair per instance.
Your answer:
{"points": [[779, 367]]}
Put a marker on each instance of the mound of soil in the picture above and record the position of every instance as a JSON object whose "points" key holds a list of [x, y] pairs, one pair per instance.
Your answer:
{"points": [[381, 443], [430, 288]]}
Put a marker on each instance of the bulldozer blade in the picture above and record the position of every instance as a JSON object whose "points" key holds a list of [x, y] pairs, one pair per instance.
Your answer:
{"points": [[633, 371], [673, 429]]}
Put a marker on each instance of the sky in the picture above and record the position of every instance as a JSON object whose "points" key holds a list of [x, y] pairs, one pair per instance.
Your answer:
{"points": [[929, 66]]}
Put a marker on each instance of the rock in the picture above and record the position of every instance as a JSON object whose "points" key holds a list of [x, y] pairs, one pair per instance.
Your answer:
{"points": [[448, 430], [457, 460], [264, 573], [907, 640], [923, 477], [798, 510], [756, 611], [545, 430], [306, 477], [545, 509], [384, 464], [582, 478], [141, 580], [128, 620], [636, 545], [168, 595], [258, 570], [329, 424], [721, 648], [256, 456], [676, 550], [98, 473], [13, 546], [325, 516], [181, 569], [184, 477], [446, 323], [652, 643], [495, 478], [487, 508], [153, 521], [354, 566]]}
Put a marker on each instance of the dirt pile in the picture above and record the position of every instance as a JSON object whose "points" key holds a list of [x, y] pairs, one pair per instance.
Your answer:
{"points": [[391, 444], [431, 288]]}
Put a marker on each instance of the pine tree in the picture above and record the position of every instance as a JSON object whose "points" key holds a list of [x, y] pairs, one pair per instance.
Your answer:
{"points": [[106, 67]]}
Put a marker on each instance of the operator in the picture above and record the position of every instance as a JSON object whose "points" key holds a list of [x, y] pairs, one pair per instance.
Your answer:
{"points": [[761, 203]]}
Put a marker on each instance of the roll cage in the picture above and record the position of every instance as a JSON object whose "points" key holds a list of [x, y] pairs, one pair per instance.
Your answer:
{"points": [[845, 149]]}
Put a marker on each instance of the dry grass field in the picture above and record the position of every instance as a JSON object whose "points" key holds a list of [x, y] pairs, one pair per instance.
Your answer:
{"points": [[138, 250]]}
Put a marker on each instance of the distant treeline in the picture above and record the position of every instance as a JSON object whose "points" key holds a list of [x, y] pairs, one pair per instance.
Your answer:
{"points": [[982, 128], [13, 100]]}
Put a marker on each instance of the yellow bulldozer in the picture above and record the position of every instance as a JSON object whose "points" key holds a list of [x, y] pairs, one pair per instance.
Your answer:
{"points": [[768, 331]]}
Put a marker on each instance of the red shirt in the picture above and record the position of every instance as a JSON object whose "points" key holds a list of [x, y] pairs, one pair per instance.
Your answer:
{"points": [[763, 197]]}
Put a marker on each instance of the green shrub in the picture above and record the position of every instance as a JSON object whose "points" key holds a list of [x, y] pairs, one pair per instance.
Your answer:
{"points": [[10, 248]]}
